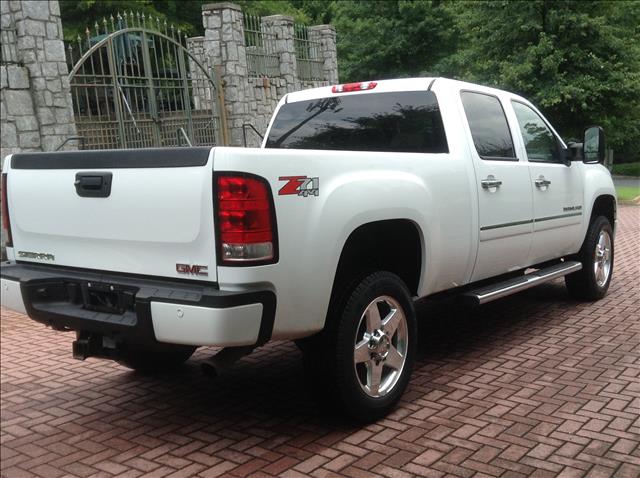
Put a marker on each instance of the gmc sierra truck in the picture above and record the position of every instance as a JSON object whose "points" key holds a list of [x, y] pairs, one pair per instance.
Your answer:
{"points": [[363, 198]]}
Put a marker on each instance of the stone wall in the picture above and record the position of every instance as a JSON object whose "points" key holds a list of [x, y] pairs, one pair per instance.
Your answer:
{"points": [[36, 108], [252, 100]]}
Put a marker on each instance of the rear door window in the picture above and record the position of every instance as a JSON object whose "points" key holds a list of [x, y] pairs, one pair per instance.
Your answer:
{"points": [[407, 122], [488, 125]]}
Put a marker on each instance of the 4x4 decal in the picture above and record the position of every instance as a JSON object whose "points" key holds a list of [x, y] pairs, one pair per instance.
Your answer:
{"points": [[300, 186]]}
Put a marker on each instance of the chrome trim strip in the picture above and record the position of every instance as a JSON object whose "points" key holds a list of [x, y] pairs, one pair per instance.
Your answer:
{"points": [[529, 221], [560, 216], [506, 224]]}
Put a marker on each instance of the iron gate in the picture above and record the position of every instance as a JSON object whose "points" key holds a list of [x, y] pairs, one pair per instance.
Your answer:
{"points": [[134, 84]]}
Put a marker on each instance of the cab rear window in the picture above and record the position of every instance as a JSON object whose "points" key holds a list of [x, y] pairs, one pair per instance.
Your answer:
{"points": [[405, 122]]}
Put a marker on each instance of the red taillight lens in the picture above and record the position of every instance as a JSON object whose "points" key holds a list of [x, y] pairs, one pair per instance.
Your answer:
{"points": [[245, 224], [6, 223], [347, 87]]}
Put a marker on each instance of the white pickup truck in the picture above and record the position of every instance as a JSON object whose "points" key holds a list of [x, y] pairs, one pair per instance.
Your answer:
{"points": [[362, 198]]}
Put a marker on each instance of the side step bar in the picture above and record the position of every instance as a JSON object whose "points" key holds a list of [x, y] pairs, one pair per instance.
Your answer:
{"points": [[502, 289]]}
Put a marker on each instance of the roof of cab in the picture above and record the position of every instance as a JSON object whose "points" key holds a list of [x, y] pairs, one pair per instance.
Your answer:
{"points": [[400, 84]]}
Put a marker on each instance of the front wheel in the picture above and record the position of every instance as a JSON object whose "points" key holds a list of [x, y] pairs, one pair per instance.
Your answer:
{"points": [[363, 360], [596, 255]]}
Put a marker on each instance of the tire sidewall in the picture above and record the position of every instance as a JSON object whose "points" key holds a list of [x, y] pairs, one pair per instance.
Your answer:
{"points": [[356, 401], [599, 224]]}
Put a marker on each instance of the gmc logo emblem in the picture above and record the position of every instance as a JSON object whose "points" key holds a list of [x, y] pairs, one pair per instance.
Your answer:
{"points": [[193, 270]]}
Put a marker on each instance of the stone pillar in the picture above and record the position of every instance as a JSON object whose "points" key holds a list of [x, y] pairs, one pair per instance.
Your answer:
{"points": [[201, 93], [41, 50], [281, 26], [19, 125], [224, 45], [326, 36]]}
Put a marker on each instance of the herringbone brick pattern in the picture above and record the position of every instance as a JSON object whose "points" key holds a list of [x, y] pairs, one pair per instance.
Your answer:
{"points": [[533, 385]]}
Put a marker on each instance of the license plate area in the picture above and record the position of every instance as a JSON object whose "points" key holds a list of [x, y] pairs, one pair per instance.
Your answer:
{"points": [[107, 298]]}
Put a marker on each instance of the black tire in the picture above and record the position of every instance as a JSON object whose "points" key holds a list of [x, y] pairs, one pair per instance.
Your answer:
{"points": [[584, 284], [330, 357], [156, 358]]}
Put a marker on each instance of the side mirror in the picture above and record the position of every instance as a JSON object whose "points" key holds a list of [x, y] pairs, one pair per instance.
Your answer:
{"points": [[574, 152], [593, 145]]}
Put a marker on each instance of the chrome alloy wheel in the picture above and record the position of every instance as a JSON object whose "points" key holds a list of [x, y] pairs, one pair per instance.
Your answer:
{"points": [[380, 347], [602, 259]]}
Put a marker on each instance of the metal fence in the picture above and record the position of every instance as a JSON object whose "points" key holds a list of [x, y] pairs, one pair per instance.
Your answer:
{"points": [[262, 60], [135, 85], [308, 55], [8, 50]]}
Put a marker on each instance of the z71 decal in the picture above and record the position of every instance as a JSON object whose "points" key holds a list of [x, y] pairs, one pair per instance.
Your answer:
{"points": [[299, 186]]}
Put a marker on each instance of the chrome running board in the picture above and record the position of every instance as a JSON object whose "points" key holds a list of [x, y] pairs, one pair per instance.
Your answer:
{"points": [[511, 286]]}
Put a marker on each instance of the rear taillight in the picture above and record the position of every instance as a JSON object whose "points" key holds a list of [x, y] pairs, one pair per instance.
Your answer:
{"points": [[6, 223], [348, 87], [245, 220]]}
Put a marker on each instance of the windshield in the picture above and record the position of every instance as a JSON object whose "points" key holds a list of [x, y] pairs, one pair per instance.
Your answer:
{"points": [[407, 121]]}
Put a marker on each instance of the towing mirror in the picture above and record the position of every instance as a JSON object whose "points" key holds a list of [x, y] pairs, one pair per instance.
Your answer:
{"points": [[593, 145]]}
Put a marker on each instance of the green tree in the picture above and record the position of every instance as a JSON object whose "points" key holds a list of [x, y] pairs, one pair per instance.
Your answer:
{"points": [[395, 38], [579, 61], [77, 15]]}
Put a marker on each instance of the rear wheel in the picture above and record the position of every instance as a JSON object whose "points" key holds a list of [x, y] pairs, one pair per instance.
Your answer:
{"points": [[156, 358], [596, 256], [362, 361]]}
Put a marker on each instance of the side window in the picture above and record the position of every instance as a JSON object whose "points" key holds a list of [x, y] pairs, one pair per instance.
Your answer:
{"points": [[489, 126], [539, 141]]}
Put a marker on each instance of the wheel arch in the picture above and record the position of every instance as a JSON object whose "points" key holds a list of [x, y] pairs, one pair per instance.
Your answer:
{"points": [[604, 205], [394, 245]]}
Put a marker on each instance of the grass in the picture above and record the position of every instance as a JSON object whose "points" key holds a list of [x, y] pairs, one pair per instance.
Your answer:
{"points": [[627, 169], [628, 193]]}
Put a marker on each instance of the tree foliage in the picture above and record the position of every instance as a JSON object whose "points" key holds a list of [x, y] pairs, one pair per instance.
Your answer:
{"points": [[395, 38], [579, 61]]}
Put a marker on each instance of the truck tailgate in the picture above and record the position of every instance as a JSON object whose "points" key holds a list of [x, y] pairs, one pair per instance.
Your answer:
{"points": [[157, 214]]}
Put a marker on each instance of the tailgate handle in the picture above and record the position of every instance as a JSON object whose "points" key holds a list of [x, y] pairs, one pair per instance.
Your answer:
{"points": [[93, 184]]}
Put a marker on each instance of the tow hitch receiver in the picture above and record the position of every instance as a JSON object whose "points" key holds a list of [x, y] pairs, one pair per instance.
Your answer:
{"points": [[88, 345]]}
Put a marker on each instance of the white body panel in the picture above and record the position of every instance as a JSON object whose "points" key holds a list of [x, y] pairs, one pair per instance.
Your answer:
{"points": [[156, 218], [557, 209], [187, 324], [356, 188], [11, 296], [153, 219]]}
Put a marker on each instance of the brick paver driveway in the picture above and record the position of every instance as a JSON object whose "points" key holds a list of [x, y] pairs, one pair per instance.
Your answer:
{"points": [[535, 384]]}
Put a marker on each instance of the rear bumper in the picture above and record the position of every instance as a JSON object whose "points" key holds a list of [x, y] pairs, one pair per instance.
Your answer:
{"points": [[153, 311]]}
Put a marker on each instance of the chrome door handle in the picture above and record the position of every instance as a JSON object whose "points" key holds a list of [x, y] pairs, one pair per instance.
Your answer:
{"points": [[490, 183], [542, 183]]}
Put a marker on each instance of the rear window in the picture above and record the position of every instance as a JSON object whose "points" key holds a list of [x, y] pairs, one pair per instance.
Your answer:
{"points": [[406, 122], [488, 125]]}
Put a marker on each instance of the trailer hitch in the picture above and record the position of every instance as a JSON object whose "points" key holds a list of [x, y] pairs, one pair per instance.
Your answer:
{"points": [[91, 345]]}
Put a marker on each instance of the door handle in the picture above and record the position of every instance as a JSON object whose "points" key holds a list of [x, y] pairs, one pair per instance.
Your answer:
{"points": [[93, 184], [542, 182], [491, 182]]}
